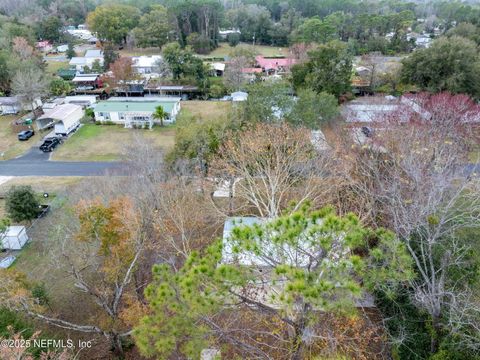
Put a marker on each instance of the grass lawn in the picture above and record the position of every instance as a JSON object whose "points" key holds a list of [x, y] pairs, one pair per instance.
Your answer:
{"points": [[224, 50], [53, 66], [41, 184], [108, 142], [206, 109], [139, 52], [10, 146]]}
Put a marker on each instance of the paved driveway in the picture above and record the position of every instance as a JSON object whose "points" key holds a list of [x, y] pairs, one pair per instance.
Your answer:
{"points": [[36, 163]]}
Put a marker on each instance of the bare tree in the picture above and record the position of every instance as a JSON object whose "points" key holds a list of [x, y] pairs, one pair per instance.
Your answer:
{"points": [[29, 84], [234, 77], [415, 176], [276, 164]]}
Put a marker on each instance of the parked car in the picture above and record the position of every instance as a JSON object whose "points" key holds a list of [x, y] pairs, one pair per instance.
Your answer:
{"points": [[49, 144], [25, 135]]}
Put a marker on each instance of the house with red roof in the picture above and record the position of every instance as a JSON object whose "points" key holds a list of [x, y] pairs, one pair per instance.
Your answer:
{"points": [[274, 65]]}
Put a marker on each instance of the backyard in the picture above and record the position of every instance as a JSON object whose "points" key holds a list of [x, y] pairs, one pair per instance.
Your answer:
{"points": [[206, 109], [224, 50], [10, 146]]}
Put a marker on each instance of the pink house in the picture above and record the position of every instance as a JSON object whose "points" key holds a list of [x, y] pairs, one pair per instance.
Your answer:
{"points": [[273, 65], [44, 46]]}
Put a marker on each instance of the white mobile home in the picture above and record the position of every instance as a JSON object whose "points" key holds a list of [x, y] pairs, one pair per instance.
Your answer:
{"points": [[65, 117], [14, 238], [133, 112]]}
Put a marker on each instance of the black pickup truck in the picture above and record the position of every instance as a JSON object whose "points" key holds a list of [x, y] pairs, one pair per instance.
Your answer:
{"points": [[49, 144]]}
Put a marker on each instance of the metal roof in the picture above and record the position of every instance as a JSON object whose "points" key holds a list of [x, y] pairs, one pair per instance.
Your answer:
{"points": [[136, 105], [60, 112]]}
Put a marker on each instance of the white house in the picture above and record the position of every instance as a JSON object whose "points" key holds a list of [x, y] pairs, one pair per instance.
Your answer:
{"points": [[65, 117], [137, 111], [145, 64], [79, 62], [224, 33], [272, 253], [14, 238]]}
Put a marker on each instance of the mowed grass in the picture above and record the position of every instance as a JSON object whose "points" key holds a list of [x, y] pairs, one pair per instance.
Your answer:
{"points": [[206, 109], [10, 146], [139, 52], [41, 184], [109, 142], [53, 66], [225, 50]]}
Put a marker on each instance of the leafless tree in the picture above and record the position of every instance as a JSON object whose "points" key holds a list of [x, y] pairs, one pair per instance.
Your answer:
{"points": [[276, 164], [415, 176], [234, 77], [29, 84]]}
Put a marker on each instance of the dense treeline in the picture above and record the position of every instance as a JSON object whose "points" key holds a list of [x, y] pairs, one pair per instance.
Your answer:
{"points": [[363, 24]]}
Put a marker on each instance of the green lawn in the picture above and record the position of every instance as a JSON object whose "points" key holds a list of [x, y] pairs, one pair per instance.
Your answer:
{"points": [[224, 50], [10, 146], [108, 142], [53, 66]]}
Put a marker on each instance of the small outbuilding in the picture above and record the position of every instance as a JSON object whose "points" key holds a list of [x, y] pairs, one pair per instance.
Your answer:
{"points": [[239, 96], [6, 262], [15, 238]]}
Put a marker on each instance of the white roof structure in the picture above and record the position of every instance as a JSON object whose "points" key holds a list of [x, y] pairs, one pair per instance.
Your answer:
{"points": [[6, 262], [94, 53], [218, 66], [89, 77], [62, 48], [61, 112], [14, 230], [81, 99], [78, 60], [145, 61], [239, 96]]}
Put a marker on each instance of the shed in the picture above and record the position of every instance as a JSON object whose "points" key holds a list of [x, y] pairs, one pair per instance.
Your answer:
{"points": [[5, 263], [239, 96], [15, 238], [62, 48], [66, 118]]}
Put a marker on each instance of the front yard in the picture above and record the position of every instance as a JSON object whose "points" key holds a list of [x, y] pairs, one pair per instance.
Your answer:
{"points": [[108, 142], [10, 146]]}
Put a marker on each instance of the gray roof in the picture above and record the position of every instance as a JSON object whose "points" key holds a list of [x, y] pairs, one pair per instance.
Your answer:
{"points": [[94, 53], [9, 100]]}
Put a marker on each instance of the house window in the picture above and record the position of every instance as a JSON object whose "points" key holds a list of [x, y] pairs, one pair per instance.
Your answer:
{"points": [[140, 118], [121, 116]]}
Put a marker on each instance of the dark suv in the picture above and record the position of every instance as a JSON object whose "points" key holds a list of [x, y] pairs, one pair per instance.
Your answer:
{"points": [[49, 144], [25, 135]]}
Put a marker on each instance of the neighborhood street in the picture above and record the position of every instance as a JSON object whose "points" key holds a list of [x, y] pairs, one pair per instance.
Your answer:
{"points": [[36, 163]]}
